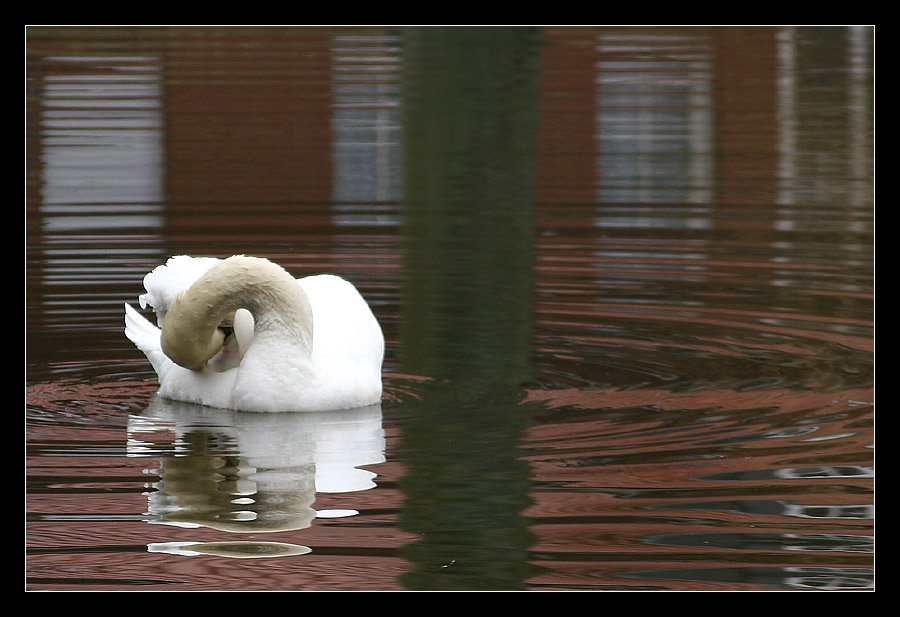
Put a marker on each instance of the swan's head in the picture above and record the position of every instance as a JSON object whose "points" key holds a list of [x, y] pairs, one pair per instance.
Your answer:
{"points": [[238, 331], [222, 350], [185, 343]]}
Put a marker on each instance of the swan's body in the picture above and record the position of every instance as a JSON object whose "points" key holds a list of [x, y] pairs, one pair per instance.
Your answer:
{"points": [[307, 344]]}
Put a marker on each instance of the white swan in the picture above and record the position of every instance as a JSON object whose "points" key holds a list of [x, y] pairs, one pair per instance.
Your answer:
{"points": [[241, 333]]}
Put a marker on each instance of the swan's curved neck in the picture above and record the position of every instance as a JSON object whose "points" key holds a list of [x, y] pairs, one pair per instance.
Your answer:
{"points": [[190, 334]]}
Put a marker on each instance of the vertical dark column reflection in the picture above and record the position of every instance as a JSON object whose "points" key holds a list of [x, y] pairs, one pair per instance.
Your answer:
{"points": [[469, 125]]}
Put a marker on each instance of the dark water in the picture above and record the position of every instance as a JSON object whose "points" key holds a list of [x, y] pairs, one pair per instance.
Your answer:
{"points": [[626, 277]]}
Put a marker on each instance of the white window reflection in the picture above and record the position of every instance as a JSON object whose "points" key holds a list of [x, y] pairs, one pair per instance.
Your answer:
{"points": [[655, 125], [366, 141], [101, 145]]}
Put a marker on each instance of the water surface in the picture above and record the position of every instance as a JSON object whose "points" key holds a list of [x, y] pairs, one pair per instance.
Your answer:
{"points": [[625, 276]]}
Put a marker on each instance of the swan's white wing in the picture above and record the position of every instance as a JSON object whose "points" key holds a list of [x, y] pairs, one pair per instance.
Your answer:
{"points": [[165, 282]]}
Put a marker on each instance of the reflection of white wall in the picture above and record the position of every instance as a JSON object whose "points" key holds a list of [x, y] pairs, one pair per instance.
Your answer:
{"points": [[366, 140], [655, 122], [101, 145]]}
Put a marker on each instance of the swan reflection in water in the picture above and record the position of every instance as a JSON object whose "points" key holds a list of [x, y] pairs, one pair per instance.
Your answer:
{"points": [[252, 472]]}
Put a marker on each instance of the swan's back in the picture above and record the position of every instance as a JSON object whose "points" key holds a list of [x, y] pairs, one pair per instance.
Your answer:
{"points": [[345, 331]]}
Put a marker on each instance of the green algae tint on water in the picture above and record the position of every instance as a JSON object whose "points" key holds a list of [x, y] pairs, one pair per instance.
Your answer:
{"points": [[625, 276]]}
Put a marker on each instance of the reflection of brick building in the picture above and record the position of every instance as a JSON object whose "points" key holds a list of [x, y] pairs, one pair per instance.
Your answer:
{"points": [[249, 116], [248, 136], [247, 127]]}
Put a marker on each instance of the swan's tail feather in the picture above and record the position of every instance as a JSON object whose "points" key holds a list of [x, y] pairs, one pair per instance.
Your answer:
{"points": [[145, 336]]}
